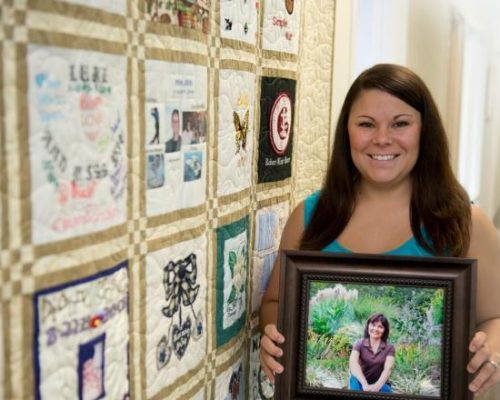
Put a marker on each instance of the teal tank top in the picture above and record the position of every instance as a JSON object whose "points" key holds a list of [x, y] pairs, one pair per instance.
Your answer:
{"points": [[408, 248]]}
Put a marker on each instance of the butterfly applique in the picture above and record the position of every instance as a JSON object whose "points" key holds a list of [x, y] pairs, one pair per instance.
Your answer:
{"points": [[241, 130]]}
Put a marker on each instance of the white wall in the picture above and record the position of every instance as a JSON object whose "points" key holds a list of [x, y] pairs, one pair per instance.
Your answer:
{"points": [[490, 182], [360, 41], [414, 33], [429, 27], [376, 42], [481, 21], [342, 73]]}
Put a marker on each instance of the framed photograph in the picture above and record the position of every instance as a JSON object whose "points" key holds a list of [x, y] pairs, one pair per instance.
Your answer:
{"points": [[375, 327]]}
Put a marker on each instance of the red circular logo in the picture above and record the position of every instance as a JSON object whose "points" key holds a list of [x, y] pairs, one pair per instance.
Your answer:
{"points": [[280, 123]]}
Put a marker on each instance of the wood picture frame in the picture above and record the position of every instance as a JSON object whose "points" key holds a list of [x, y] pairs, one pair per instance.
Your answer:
{"points": [[315, 285]]}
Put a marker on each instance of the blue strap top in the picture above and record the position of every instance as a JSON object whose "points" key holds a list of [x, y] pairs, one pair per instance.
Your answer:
{"points": [[408, 248]]}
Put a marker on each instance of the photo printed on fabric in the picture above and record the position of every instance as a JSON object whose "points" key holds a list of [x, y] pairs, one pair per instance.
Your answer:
{"points": [[186, 14], [176, 136]]}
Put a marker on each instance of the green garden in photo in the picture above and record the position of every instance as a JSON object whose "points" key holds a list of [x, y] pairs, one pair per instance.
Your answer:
{"points": [[337, 314]]}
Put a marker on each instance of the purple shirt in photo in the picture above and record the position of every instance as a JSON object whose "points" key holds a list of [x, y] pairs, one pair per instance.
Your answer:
{"points": [[372, 364]]}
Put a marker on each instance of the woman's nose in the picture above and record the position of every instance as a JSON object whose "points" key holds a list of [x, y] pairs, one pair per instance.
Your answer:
{"points": [[382, 136]]}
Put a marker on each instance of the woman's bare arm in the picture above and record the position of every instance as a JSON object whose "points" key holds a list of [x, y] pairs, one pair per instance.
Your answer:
{"points": [[355, 369], [386, 373], [485, 247]]}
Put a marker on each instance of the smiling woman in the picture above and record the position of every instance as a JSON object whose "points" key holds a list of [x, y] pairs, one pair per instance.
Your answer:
{"points": [[372, 358], [389, 111], [390, 190]]}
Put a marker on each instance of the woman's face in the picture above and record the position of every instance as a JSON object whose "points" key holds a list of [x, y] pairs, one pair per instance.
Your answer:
{"points": [[375, 330], [384, 132]]}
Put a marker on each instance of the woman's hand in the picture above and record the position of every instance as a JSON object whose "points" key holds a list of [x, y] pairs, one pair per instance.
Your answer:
{"points": [[485, 362], [269, 350], [370, 387]]}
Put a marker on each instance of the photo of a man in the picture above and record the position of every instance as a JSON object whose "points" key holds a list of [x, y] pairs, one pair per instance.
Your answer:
{"points": [[174, 143]]}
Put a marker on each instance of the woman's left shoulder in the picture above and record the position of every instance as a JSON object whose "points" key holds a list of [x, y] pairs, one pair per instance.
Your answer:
{"points": [[391, 350], [484, 236], [485, 248], [478, 215]]}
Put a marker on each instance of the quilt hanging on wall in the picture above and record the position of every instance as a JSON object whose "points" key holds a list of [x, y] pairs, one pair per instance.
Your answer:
{"points": [[147, 156]]}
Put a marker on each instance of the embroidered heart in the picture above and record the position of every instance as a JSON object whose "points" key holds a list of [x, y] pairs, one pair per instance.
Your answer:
{"points": [[180, 338], [163, 353], [198, 326]]}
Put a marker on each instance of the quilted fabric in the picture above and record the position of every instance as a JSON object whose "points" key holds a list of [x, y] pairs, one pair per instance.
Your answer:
{"points": [[150, 153]]}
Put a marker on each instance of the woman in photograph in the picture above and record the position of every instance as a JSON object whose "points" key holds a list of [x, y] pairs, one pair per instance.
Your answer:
{"points": [[372, 358], [390, 189]]}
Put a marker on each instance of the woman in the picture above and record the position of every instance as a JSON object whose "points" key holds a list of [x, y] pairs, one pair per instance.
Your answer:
{"points": [[372, 358], [390, 189]]}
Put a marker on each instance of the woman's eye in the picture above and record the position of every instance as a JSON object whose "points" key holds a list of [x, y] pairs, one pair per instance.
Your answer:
{"points": [[365, 124], [400, 124]]}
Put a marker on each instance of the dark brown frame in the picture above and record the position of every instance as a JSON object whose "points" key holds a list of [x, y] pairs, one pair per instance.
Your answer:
{"points": [[457, 276]]}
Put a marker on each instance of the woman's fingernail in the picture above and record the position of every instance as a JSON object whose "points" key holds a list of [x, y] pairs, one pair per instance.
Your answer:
{"points": [[472, 387], [279, 370]]}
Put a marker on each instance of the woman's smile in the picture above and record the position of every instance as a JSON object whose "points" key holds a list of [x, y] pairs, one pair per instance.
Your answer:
{"points": [[383, 157]]}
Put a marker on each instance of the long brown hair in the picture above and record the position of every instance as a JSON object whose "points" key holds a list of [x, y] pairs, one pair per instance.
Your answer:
{"points": [[438, 201]]}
